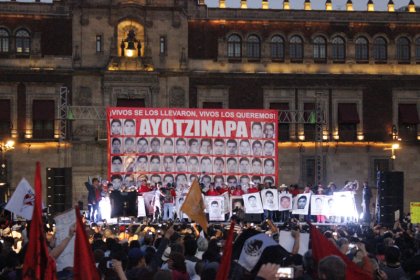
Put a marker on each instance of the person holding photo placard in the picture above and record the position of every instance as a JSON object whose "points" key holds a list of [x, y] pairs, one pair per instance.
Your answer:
{"points": [[270, 202]]}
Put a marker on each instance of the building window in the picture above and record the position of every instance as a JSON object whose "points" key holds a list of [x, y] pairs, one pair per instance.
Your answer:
{"points": [[234, 46], [23, 42], [408, 119], [99, 43], [212, 105], [320, 49], [296, 48], [310, 116], [418, 49], [309, 171], [362, 49], [5, 120], [338, 49], [162, 45], [131, 102], [43, 117], [348, 118], [4, 41], [283, 128], [380, 53], [403, 50], [253, 47], [277, 47]]}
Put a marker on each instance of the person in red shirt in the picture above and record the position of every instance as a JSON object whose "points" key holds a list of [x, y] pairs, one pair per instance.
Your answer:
{"points": [[224, 189], [143, 186], [168, 203], [294, 190], [238, 191], [212, 191], [253, 188]]}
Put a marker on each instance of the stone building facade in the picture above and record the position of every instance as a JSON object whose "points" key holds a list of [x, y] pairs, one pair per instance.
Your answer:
{"points": [[363, 66]]}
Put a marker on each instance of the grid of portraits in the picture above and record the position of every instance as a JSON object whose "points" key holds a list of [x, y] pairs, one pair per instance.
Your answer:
{"points": [[214, 159]]}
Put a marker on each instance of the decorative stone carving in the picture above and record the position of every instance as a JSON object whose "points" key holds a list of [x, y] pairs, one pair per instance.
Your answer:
{"points": [[84, 19], [84, 97], [84, 130], [177, 97]]}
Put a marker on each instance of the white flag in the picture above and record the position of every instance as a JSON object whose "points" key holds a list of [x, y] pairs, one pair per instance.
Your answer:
{"points": [[22, 201]]}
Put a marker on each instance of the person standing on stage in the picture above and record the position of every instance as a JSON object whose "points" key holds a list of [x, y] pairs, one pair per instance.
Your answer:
{"points": [[320, 218], [238, 191], [367, 195], [94, 196], [212, 191], [168, 203], [157, 208]]}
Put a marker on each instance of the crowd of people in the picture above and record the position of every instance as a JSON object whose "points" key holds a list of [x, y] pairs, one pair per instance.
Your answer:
{"points": [[184, 251]]}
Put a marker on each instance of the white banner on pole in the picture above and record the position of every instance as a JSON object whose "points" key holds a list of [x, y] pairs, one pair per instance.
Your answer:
{"points": [[63, 222], [22, 201]]}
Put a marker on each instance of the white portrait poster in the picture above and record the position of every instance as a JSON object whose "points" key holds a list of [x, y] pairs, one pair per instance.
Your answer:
{"points": [[105, 208], [252, 202], [63, 222], [236, 204], [285, 201], [270, 199], [149, 198], [301, 204], [318, 205], [141, 209], [287, 241], [344, 205], [215, 207], [179, 200], [226, 204], [329, 206]]}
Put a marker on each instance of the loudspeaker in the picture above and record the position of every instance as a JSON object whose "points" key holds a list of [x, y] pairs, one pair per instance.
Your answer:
{"points": [[123, 204], [59, 190], [390, 196]]}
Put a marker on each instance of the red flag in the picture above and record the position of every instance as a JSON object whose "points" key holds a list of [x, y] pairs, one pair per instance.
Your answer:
{"points": [[224, 268], [38, 264], [84, 263], [322, 247]]}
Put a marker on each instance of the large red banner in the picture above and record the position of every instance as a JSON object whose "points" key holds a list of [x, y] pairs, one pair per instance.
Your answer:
{"points": [[178, 145]]}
